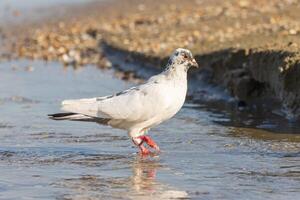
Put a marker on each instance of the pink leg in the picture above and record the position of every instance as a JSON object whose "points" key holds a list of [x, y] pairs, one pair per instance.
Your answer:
{"points": [[149, 141], [139, 142], [143, 150]]}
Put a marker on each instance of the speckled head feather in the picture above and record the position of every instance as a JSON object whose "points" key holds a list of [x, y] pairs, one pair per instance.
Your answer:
{"points": [[181, 57]]}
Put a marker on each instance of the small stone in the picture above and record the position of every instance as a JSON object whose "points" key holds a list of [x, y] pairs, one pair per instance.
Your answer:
{"points": [[292, 32], [141, 7], [107, 64], [292, 44], [281, 69], [243, 3], [29, 69]]}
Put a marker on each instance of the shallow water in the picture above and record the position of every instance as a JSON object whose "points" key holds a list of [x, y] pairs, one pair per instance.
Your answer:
{"points": [[201, 158]]}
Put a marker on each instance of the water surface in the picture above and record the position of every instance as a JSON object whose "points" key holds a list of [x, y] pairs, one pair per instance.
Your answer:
{"points": [[201, 157]]}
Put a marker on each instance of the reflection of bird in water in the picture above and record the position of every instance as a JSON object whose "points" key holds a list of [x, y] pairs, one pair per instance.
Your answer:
{"points": [[140, 108], [142, 184], [144, 174], [146, 186]]}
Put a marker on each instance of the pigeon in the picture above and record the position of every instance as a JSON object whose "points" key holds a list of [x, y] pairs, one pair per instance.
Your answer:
{"points": [[139, 108]]}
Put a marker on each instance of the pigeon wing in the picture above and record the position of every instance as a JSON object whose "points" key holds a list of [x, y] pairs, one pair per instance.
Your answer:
{"points": [[135, 104]]}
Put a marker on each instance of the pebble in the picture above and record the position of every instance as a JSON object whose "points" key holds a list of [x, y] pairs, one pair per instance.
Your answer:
{"points": [[29, 69]]}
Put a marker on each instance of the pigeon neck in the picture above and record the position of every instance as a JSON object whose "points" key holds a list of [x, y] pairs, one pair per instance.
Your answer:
{"points": [[178, 71]]}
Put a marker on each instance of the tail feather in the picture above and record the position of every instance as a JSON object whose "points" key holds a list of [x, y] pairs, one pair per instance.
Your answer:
{"points": [[84, 106], [59, 115], [78, 117], [67, 116]]}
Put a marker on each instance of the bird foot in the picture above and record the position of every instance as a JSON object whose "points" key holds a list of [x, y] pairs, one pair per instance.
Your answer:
{"points": [[148, 140], [143, 150]]}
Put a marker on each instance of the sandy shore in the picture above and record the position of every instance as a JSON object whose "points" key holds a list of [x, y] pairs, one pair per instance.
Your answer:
{"points": [[248, 47]]}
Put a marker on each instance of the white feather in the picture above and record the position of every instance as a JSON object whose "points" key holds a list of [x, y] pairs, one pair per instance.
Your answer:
{"points": [[141, 107]]}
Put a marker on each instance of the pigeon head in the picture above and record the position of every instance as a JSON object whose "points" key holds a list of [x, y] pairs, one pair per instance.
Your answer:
{"points": [[182, 57]]}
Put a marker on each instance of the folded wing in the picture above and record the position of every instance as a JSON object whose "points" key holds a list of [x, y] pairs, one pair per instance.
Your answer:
{"points": [[136, 104]]}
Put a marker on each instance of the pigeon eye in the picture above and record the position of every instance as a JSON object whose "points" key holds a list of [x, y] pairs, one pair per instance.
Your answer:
{"points": [[185, 56]]}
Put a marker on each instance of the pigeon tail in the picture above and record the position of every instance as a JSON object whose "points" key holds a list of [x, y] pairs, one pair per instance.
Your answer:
{"points": [[78, 117], [67, 116], [86, 107]]}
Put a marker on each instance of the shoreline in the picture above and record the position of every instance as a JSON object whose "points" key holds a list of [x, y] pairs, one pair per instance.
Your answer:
{"points": [[250, 50]]}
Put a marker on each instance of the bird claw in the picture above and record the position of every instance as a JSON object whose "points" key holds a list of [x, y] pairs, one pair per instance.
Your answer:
{"points": [[149, 142], [148, 153], [143, 150]]}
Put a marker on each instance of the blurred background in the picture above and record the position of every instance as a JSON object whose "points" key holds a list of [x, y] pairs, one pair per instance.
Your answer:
{"points": [[237, 136]]}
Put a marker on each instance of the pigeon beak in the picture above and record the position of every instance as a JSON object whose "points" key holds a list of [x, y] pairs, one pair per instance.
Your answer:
{"points": [[194, 63]]}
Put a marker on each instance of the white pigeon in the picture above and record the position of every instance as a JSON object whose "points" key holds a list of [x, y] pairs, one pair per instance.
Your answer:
{"points": [[139, 108]]}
